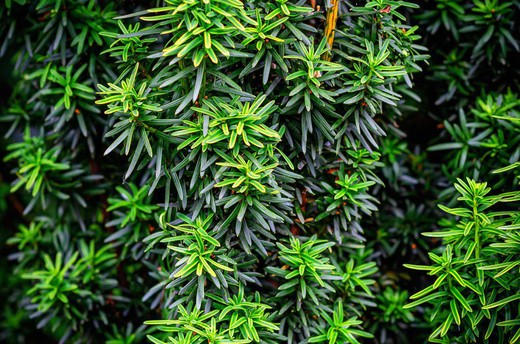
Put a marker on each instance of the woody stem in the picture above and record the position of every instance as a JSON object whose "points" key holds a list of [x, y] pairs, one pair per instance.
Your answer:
{"points": [[330, 24]]}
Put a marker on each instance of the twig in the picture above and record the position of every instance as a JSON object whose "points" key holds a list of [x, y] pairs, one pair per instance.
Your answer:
{"points": [[330, 25]]}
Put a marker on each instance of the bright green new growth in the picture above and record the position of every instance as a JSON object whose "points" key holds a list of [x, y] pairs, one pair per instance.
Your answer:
{"points": [[471, 275]]}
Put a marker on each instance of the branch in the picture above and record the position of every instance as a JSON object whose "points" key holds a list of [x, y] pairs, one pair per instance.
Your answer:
{"points": [[330, 25]]}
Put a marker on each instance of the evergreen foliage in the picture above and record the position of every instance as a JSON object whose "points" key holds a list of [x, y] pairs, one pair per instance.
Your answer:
{"points": [[210, 171]]}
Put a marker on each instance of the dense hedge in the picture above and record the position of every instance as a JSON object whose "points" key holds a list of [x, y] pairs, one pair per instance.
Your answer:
{"points": [[225, 171]]}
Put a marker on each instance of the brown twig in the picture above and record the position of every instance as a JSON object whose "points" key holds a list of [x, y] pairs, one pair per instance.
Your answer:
{"points": [[330, 24]]}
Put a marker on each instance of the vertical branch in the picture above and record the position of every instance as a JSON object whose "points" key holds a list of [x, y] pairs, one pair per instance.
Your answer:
{"points": [[330, 24]]}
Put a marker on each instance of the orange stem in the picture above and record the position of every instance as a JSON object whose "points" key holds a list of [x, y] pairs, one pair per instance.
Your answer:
{"points": [[330, 24]]}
